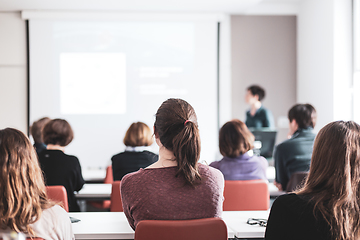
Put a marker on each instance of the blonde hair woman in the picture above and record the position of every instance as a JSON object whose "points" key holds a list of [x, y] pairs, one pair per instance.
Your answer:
{"points": [[137, 154], [327, 207], [24, 206]]}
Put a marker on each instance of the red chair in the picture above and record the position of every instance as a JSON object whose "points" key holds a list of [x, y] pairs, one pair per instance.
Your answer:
{"points": [[116, 203], [109, 175], [196, 229], [105, 205], [246, 195], [58, 194]]}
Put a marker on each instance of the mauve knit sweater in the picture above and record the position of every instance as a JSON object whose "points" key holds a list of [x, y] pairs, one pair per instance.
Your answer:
{"points": [[156, 194]]}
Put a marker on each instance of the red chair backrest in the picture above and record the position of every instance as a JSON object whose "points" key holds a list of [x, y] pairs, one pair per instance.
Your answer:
{"points": [[109, 175], [195, 229], [116, 203], [246, 195], [58, 194]]}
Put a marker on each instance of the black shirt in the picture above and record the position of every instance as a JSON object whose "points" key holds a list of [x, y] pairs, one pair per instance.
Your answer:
{"points": [[292, 217], [127, 162], [61, 169]]}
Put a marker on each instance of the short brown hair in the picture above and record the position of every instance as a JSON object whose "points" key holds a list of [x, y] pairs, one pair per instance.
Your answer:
{"points": [[36, 129], [138, 134], [304, 115], [57, 132], [235, 139]]}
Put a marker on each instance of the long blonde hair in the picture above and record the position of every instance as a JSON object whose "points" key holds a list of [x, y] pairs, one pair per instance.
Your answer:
{"points": [[23, 193], [333, 182]]}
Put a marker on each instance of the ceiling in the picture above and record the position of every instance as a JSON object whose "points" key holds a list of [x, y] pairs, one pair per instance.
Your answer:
{"points": [[189, 6]]}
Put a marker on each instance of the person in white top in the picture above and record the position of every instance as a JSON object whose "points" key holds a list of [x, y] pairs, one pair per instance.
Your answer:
{"points": [[24, 206]]}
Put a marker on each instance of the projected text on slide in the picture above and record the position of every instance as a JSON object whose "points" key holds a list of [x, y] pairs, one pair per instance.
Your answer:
{"points": [[92, 83]]}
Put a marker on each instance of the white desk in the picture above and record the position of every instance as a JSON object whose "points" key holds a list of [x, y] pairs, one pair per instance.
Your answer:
{"points": [[102, 225], [94, 191], [237, 222], [107, 225]]}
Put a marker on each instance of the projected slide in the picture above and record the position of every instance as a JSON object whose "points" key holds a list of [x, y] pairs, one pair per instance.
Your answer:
{"points": [[92, 83], [101, 76]]}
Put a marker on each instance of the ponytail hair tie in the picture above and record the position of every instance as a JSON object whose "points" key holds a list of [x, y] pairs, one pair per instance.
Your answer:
{"points": [[186, 122]]}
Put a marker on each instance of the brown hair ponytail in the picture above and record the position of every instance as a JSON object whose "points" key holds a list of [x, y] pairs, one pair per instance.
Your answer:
{"points": [[176, 127]]}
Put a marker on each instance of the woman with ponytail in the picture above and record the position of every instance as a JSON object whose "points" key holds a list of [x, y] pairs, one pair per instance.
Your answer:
{"points": [[176, 187], [328, 206]]}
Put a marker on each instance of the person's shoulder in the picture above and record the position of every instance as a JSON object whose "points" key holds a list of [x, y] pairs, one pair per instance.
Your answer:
{"points": [[56, 211], [149, 153], [132, 177], [118, 156], [258, 159], [211, 172], [291, 201], [215, 164], [69, 157], [286, 144]]}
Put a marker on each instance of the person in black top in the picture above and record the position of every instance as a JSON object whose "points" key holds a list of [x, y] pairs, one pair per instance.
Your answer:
{"points": [[137, 140], [294, 154], [36, 132], [327, 207], [58, 167], [257, 116]]}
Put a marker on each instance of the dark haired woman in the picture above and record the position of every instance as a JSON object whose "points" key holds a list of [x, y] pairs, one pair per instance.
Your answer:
{"points": [[327, 207], [235, 142], [36, 132], [257, 116], [58, 167], [23, 200], [137, 154], [176, 187]]}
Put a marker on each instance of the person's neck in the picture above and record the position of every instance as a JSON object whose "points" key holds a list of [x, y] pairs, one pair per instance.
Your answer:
{"points": [[255, 106], [166, 159], [55, 147]]}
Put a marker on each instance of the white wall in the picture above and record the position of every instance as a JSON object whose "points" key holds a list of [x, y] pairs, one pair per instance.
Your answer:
{"points": [[264, 53], [324, 58], [13, 72]]}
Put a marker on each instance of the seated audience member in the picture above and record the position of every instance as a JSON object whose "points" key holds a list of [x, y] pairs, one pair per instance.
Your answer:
{"points": [[176, 187], [257, 116], [294, 154], [58, 167], [24, 203], [327, 207], [235, 142], [36, 132], [138, 139]]}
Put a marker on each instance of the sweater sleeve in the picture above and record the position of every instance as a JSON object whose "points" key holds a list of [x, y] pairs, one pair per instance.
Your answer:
{"points": [[125, 195]]}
